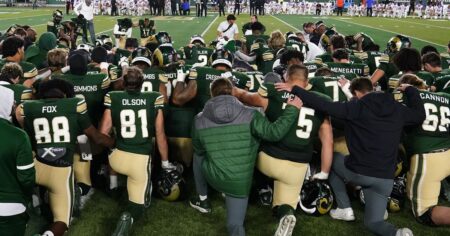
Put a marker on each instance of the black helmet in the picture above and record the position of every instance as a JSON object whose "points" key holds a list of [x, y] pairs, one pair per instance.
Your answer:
{"points": [[316, 198], [57, 16], [170, 184]]}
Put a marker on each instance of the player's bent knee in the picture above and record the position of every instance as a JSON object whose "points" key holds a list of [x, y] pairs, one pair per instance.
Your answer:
{"points": [[426, 218]]}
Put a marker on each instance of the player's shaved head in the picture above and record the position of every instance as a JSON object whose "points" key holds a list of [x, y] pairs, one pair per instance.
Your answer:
{"points": [[133, 79], [297, 72]]}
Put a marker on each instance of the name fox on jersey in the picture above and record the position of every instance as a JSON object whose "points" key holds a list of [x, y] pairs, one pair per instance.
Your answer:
{"points": [[134, 102], [49, 109], [82, 89], [346, 70], [434, 98]]}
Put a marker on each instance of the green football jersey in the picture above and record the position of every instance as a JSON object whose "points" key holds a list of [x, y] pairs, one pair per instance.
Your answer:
{"points": [[29, 69], [255, 80], [434, 133], [54, 28], [441, 73], [133, 115], [313, 67], [328, 86], [297, 145], [53, 125], [146, 31], [445, 60], [112, 71], [442, 84], [366, 39], [93, 87], [21, 93], [265, 57], [427, 77], [371, 59], [153, 77], [250, 40], [295, 44], [197, 55], [388, 68], [326, 57], [349, 68]]}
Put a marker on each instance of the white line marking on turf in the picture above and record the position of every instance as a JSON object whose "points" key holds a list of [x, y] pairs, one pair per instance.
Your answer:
{"points": [[436, 26], [209, 26], [426, 41], [284, 22]]}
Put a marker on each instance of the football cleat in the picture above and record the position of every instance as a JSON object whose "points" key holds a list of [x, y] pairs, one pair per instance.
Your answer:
{"points": [[343, 214], [123, 225], [404, 232], [201, 206]]}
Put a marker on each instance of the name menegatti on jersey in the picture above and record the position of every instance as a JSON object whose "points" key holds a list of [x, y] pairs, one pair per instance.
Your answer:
{"points": [[435, 97], [134, 102], [346, 70], [87, 88]]}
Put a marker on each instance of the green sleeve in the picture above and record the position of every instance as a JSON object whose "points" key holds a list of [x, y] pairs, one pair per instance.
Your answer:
{"points": [[273, 132], [26, 173]]}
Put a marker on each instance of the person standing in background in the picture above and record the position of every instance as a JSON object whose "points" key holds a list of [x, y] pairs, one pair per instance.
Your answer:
{"points": [[204, 7], [16, 168], [67, 7], [237, 7], [86, 8], [340, 7], [221, 4], [228, 29], [114, 8], [198, 5], [369, 4]]}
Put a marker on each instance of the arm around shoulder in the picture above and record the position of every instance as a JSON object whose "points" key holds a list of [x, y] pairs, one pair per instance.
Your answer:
{"points": [[414, 112], [266, 130]]}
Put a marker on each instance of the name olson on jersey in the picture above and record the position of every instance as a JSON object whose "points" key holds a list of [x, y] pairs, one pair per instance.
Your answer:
{"points": [[134, 102], [436, 98], [346, 70], [81, 89]]}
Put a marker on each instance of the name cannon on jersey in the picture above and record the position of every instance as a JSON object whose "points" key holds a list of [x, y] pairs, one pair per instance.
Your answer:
{"points": [[88, 88], [134, 102], [435, 97], [346, 70]]}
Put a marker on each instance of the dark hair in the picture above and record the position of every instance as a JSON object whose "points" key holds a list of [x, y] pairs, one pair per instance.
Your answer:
{"points": [[293, 69], [407, 59], [131, 43], [221, 86], [10, 71], [257, 26], [78, 64], [99, 55], [134, 79], [324, 71], [11, 46], [256, 16], [231, 17], [361, 84], [55, 88], [337, 41], [21, 32], [373, 47], [432, 58], [340, 54], [307, 24], [412, 80], [291, 54], [427, 49]]}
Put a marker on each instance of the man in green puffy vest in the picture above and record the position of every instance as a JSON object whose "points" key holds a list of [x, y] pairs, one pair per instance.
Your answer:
{"points": [[226, 138]]}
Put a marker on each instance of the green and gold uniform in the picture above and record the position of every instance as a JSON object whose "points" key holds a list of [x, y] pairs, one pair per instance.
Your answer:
{"points": [[29, 69], [442, 84], [445, 60], [313, 67], [329, 86], [427, 77], [366, 40], [250, 40], [255, 80], [153, 78], [112, 71], [295, 44], [265, 57], [349, 68], [197, 55], [371, 59], [54, 125], [389, 70], [117, 56], [21, 93], [441, 73], [287, 161], [146, 33], [327, 57], [54, 27], [429, 148]]}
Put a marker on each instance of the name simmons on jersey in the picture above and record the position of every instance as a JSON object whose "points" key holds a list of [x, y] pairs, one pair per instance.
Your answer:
{"points": [[83, 89], [134, 102]]}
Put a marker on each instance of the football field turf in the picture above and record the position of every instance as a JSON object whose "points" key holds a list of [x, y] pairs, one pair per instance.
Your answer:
{"points": [[162, 218]]}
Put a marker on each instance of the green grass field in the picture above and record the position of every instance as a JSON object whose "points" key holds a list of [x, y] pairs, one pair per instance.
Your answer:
{"points": [[162, 218]]}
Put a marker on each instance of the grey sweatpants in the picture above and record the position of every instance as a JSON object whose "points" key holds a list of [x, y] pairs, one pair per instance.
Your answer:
{"points": [[376, 192], [236, 207]]}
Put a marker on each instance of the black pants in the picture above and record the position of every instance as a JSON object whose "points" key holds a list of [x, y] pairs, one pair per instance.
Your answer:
{"points": [[412, 8], [67, 8], [237, 7], [114, 11], [369, 11], [260, 10], [197, 7], [318, 12], [204, 9], [187, 12], [221, 10], [339, 11]]}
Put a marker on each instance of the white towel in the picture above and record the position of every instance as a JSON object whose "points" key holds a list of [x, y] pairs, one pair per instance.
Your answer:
{"points": [[7, 98]]}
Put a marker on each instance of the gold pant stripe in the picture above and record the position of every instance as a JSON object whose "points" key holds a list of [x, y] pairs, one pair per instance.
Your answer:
{"points": [[288, 178], [137, 169], [424, 180], [59, 183]]}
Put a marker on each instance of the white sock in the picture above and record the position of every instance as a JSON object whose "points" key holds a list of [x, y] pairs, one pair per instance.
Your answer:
{"points": [[203, 197], [113, 182], [48, 233]]}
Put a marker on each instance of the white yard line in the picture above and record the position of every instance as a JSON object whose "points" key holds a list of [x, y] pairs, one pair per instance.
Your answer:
{"points": [[209, 26], [284, 22], [430, 25]]}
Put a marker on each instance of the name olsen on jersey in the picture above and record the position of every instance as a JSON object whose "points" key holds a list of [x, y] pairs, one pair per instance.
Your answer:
{"points": [[434, 97], [134, 102], [346, 70], [89, 88]]}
